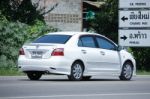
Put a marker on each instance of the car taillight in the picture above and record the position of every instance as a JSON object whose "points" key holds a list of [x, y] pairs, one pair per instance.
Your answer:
{"points": [[58, 52], [21, 51]]}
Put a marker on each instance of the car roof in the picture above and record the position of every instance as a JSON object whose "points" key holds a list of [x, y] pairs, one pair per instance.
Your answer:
{"points": [[73, 33]]}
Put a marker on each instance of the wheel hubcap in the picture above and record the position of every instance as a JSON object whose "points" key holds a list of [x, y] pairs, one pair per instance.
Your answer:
{"points": [[128, 71], [77, 71]]}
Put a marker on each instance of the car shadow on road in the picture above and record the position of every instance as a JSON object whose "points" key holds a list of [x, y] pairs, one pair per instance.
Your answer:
{"points": [[80, 81], [66, 80]]}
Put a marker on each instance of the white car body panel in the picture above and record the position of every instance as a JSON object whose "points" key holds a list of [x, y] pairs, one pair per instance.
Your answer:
{"points": [[95, 62]]}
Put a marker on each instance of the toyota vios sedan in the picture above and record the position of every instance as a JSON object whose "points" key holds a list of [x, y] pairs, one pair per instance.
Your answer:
{"points": [[79, 55]]}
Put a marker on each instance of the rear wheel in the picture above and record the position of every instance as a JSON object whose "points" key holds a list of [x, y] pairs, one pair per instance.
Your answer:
{"points": [[127, 71], [34, 75], [76, 72]]}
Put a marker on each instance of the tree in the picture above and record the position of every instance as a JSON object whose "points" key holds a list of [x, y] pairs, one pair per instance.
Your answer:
{"points": [[142, 57], [27, 13], [23, 11], [106, 20]]}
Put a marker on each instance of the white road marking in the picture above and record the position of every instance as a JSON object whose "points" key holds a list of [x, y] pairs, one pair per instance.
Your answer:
{"points": [[76, 95]]}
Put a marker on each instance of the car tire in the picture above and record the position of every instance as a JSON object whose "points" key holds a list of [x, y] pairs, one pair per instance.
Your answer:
{"points": [[127, 71], [76, 72], [85, 78], [34, 75]]}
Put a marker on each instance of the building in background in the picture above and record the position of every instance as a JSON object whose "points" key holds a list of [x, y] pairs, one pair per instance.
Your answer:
{"points": [[66, 16], [69, 15]]}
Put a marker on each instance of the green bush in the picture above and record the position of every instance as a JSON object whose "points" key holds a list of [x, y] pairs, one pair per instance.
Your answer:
{"points": [[142, 58], [13, 35], [38, 29]]}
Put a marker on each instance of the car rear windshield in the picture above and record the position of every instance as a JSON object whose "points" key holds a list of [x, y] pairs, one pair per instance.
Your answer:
{"points": [[60, 39]]}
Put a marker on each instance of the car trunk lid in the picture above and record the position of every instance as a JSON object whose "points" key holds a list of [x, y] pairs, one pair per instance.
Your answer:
{"points": [[38, 50]]}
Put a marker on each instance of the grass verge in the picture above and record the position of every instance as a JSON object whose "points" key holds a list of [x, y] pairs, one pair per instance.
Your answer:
{"points": [[10, 72], [139, 72]]}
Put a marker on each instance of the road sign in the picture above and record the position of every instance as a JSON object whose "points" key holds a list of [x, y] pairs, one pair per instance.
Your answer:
{"points": [[134, 22], [140, 18], [134, 4], [134, 37]]}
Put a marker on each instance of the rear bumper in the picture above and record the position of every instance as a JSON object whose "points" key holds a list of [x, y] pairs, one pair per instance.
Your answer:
{"points": [[54, 65]]}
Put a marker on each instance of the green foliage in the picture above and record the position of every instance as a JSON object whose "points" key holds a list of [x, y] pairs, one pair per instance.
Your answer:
{"points": [[142, 56], [143, 72], [2, 18], [12, 37], [24, 11], [10, 72], [106, 21], [20, 10], [38, 29]]}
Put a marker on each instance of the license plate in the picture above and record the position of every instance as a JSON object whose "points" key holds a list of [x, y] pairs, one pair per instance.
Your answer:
{"points": [[36, 54]]}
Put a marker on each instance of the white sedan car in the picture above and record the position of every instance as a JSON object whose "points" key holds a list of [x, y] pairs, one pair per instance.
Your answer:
{"points": [[79, 55]]}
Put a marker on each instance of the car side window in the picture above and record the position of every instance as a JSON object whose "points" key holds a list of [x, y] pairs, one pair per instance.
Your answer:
{"points": [[105, 44], [86, 41]]}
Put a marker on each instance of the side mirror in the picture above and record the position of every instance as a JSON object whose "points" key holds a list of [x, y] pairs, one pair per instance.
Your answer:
{"points": [[119, 48]]}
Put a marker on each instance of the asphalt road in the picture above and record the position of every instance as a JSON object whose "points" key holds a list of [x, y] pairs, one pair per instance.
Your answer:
{"points": [[58, 87]]}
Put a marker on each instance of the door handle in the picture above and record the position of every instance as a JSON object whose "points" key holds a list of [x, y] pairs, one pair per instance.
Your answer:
{"points": [[84, 51], [102, 53]]}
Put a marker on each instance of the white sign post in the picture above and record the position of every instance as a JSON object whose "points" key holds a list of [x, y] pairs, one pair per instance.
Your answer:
{"points": [[134, 22]]}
